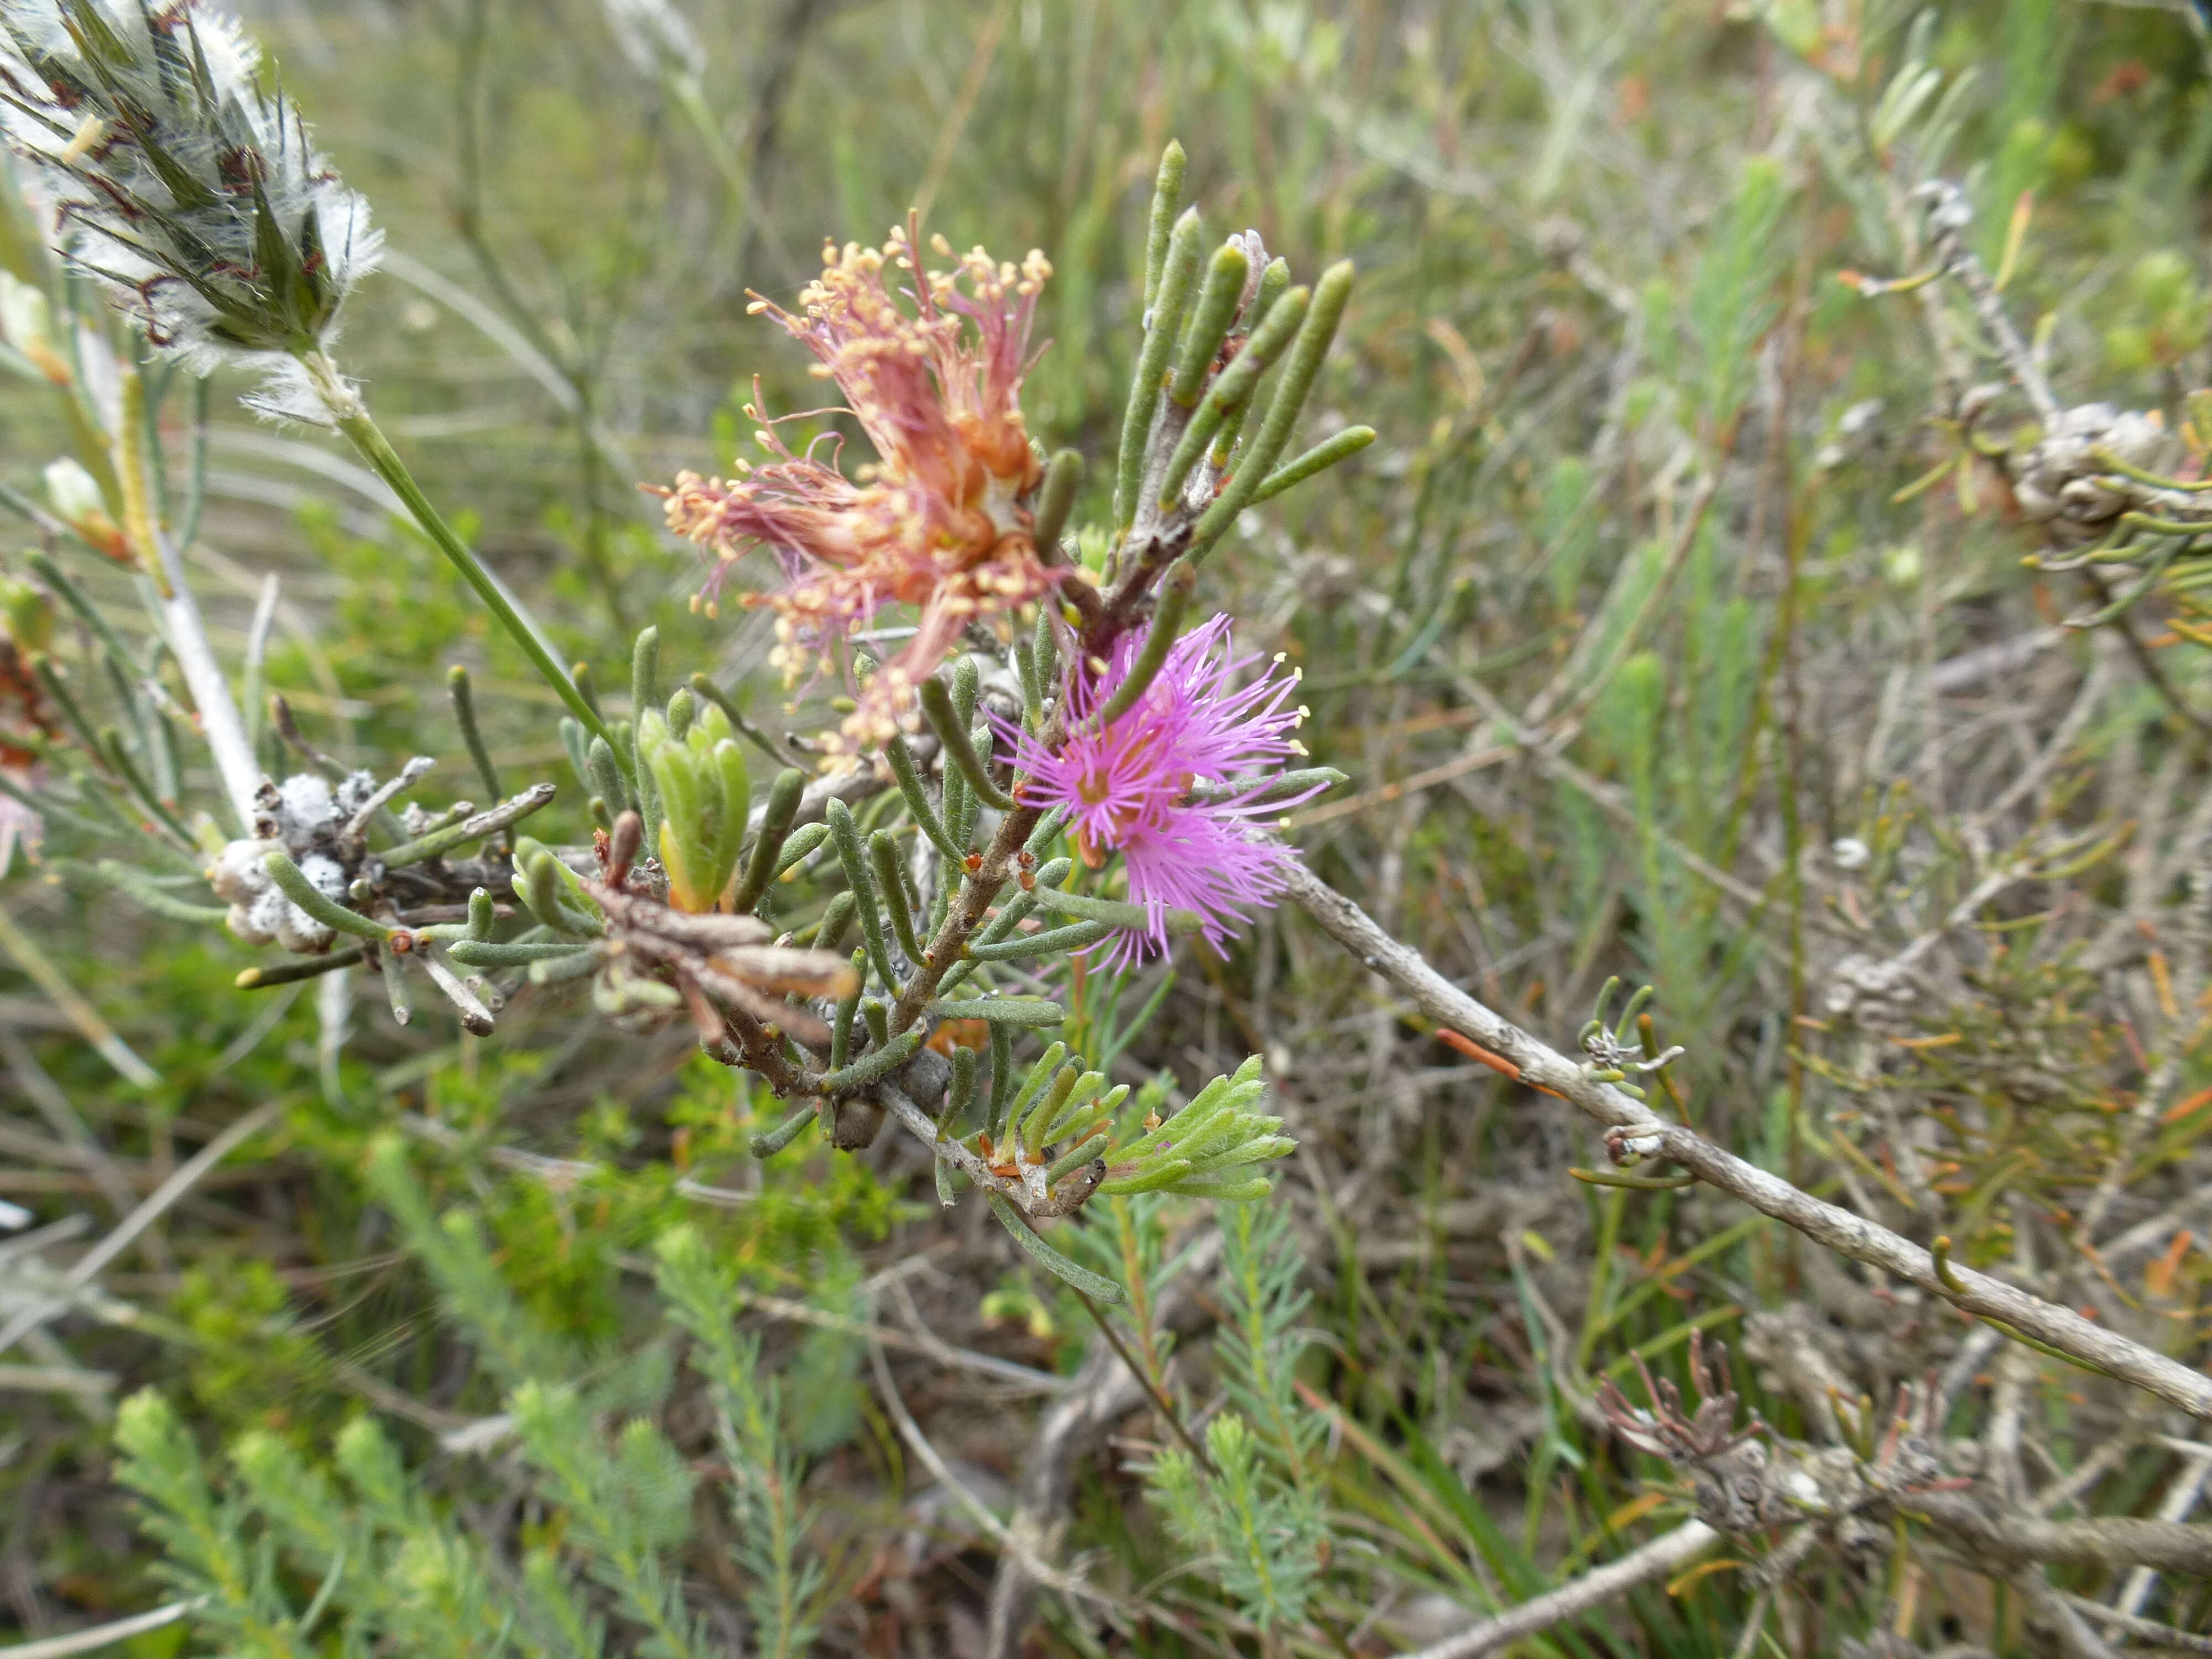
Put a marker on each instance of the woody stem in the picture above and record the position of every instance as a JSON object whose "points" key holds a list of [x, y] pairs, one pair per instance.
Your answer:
{"points": [[968, 911]]}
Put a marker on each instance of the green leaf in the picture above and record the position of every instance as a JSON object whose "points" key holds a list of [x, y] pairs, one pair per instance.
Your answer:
{"points": [[1012, 1011], [1097, 1289], [1115, 913]]}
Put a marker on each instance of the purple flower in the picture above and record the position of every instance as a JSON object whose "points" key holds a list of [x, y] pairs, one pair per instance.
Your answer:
{"points": [[1127, 787]]}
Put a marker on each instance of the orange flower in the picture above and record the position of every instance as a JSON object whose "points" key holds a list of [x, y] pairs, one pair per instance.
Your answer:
{"points": [[937, 521], [960, 1034]]}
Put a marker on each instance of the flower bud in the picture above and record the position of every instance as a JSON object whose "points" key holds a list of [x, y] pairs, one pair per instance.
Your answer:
{"points": [[186, 191], [75, 496], [26, 615], [704, 797], [27, 321]]}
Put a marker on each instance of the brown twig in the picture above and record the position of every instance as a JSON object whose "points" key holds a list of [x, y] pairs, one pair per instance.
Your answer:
{"points": [[1160, 1401], [1103, 1392], [1013, 1543]]}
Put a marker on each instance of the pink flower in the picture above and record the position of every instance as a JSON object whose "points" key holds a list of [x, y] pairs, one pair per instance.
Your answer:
{"points": [[1127, 787], [936, 522]]}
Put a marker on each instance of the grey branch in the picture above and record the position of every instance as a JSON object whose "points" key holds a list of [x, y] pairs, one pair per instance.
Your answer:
{"points": [[2114, 1541], [1657, 1559], [2148, 1630], [1949, 217], [1645, 1133], [104, 1636], [157, 1204], [1067, 1198], [204, 678]]}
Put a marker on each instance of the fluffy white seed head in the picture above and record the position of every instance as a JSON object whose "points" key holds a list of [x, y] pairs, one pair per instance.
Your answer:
{"points": [[192, 195], [656, 39]]}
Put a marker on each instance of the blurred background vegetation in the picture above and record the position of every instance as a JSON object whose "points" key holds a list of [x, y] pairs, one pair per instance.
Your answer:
{"points": [[1599, 247]]}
